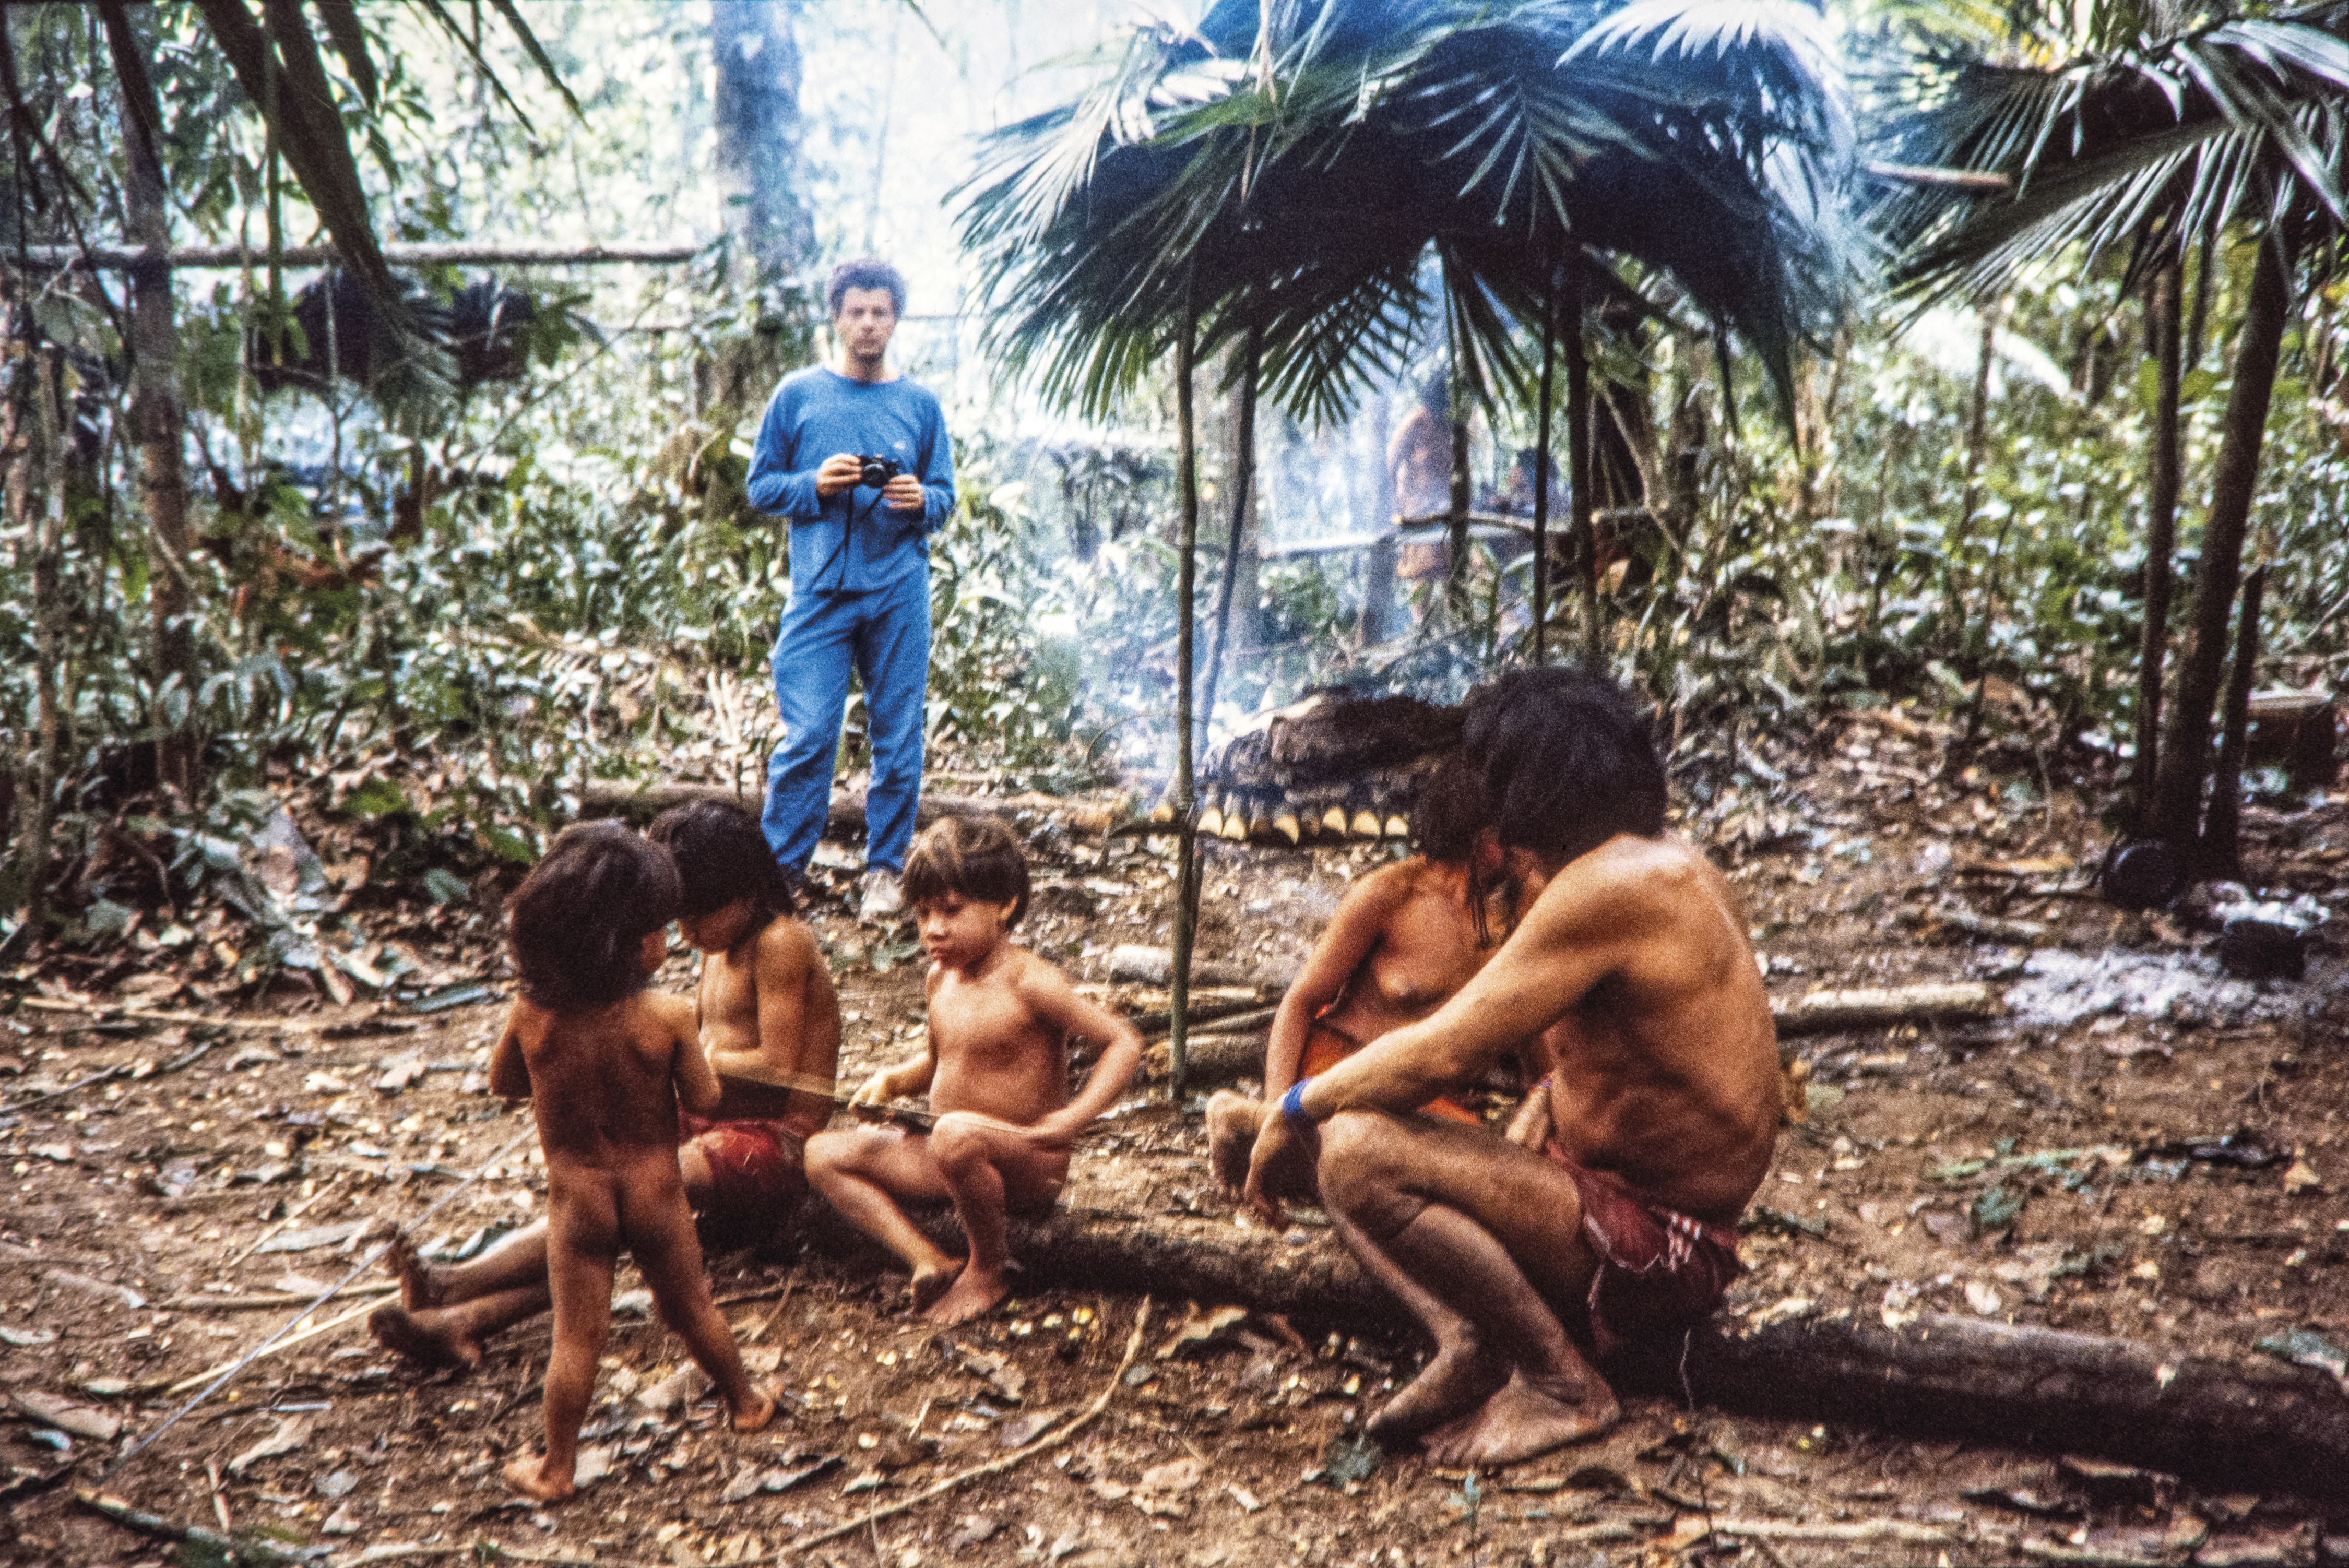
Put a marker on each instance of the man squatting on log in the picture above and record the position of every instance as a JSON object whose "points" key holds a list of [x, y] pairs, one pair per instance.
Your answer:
{"points": [[997, 1066], [607, 1069], [767, 1016], [1404, 938], [1609, 1210]]}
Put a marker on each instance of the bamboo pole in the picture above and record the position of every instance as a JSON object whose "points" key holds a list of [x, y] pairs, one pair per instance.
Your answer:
{"points": [[1186, 839], [49, 639]]}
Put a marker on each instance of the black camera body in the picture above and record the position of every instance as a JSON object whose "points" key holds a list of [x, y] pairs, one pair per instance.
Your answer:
{"points": [[877, 472]]}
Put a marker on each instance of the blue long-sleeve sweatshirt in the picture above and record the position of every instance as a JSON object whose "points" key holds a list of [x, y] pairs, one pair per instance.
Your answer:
{"points": [[817, 412]]}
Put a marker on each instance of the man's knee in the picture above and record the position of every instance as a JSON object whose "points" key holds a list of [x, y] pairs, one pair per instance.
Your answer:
{"points": [[1357, 1158]]}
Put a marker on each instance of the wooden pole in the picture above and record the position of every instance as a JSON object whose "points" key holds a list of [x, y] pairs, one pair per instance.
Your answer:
{"points": [[1185, 804], [1578, 466], [2163, 308], [1243, 480], [1541, 472], [2223, 822]]}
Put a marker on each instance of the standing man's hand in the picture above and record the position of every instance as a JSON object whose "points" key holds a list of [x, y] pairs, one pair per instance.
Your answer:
{"points": [[904, 493], [839, 472]]}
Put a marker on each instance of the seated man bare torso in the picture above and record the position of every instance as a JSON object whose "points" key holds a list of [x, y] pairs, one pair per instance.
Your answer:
{"points": [[1609, 1212]]}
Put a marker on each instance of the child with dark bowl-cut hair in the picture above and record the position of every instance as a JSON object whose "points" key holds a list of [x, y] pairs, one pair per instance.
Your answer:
{"points": [[606, 1066], [997, 1067]]}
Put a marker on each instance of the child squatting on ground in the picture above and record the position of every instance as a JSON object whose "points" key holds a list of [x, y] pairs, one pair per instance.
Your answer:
{"points": [[997, 1067], [770, 1025], [606, 1065]]}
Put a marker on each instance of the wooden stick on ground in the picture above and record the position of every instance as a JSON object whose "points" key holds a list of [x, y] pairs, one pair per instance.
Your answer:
{"points": [[1050, 1440], [374, 1300], [290, 1215], [97, 1009]]}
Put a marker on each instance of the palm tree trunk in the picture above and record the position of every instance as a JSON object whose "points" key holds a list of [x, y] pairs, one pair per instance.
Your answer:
{"points": [[2186, 750], [1242, 479], [1186, 895], [1379, 610], [2162, 323], [1578, 466], [1541, 472], [160, 421], [2223, 823]]}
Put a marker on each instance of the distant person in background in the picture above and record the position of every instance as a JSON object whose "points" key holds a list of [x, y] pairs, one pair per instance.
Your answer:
{"points": [[1419, 456], [860, 575]]}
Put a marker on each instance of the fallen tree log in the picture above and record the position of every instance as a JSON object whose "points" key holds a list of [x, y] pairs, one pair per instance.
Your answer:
{"points": [[614, 797], [1831, 1012], [2226, 1420]]}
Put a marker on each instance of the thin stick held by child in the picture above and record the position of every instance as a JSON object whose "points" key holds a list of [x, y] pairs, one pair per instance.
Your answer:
{"points": [[606, 1066], [996, 1069]]}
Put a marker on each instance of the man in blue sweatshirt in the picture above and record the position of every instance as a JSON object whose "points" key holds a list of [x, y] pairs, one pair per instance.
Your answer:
{"points": [[860, 575]]}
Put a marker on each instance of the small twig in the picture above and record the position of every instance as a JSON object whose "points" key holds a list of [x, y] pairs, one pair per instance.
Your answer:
{"points": [[290, 1216], [1051, 1439], [220, 1503], [277, 1344], [132, 1450], [103, 1012], [186, 1060], [767, 1322]]}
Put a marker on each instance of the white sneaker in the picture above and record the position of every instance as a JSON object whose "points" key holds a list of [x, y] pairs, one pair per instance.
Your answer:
{"points": [[884, 902]]}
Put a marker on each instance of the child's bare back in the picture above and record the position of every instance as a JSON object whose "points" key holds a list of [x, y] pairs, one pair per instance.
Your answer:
{"points": [[606, 1066]]}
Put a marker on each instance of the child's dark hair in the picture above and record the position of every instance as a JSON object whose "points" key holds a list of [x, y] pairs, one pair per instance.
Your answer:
{"points": [[1567, 762], [975, 857], [577, 921], [1450, 812], [721, 855]]}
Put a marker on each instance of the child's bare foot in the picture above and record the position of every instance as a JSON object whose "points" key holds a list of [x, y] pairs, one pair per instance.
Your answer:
{"points": [[420, 1285], [973, 1293], [928, 1285], [754, 1418], [428, 1336], [531, 1477]]}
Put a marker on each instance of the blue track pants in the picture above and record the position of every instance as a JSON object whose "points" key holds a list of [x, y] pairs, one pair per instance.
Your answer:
{"points": [[886, 636]]}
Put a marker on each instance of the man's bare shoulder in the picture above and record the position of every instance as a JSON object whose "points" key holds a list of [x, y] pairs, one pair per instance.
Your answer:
{"points": [[663, 1011]]}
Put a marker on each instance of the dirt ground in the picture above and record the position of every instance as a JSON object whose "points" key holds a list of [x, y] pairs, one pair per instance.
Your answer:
{"points": [[2060, 1165]]}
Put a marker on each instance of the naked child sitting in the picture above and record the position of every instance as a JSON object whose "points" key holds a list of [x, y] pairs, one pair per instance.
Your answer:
{"points": [[770, 1025], [997, 1066], [1609, 1213], [606, 1066]]}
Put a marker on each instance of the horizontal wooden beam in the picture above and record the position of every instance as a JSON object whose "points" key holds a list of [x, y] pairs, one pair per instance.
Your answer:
{"points": [[122, 258]]}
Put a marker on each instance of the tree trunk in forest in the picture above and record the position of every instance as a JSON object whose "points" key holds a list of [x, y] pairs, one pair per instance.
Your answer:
{"points": [[2186, 749], [756, 113], [1977, 449], [2222, 823], [158, 420], [1186, 906], [1239, 588], [46, 459], [2163, 309]]}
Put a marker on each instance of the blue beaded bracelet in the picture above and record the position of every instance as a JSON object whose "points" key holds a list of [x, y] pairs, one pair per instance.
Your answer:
{"points": [[1292, 1104]]}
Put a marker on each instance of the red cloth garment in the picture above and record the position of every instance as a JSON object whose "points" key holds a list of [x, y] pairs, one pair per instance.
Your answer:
{"points": [[756, 1168], [1326, 1046], [1658, 1268]]}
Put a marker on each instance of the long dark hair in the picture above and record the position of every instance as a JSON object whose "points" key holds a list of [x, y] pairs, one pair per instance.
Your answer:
{"points": [[721, 855], [1446, 819], [1566, 760], [575, 924]]}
